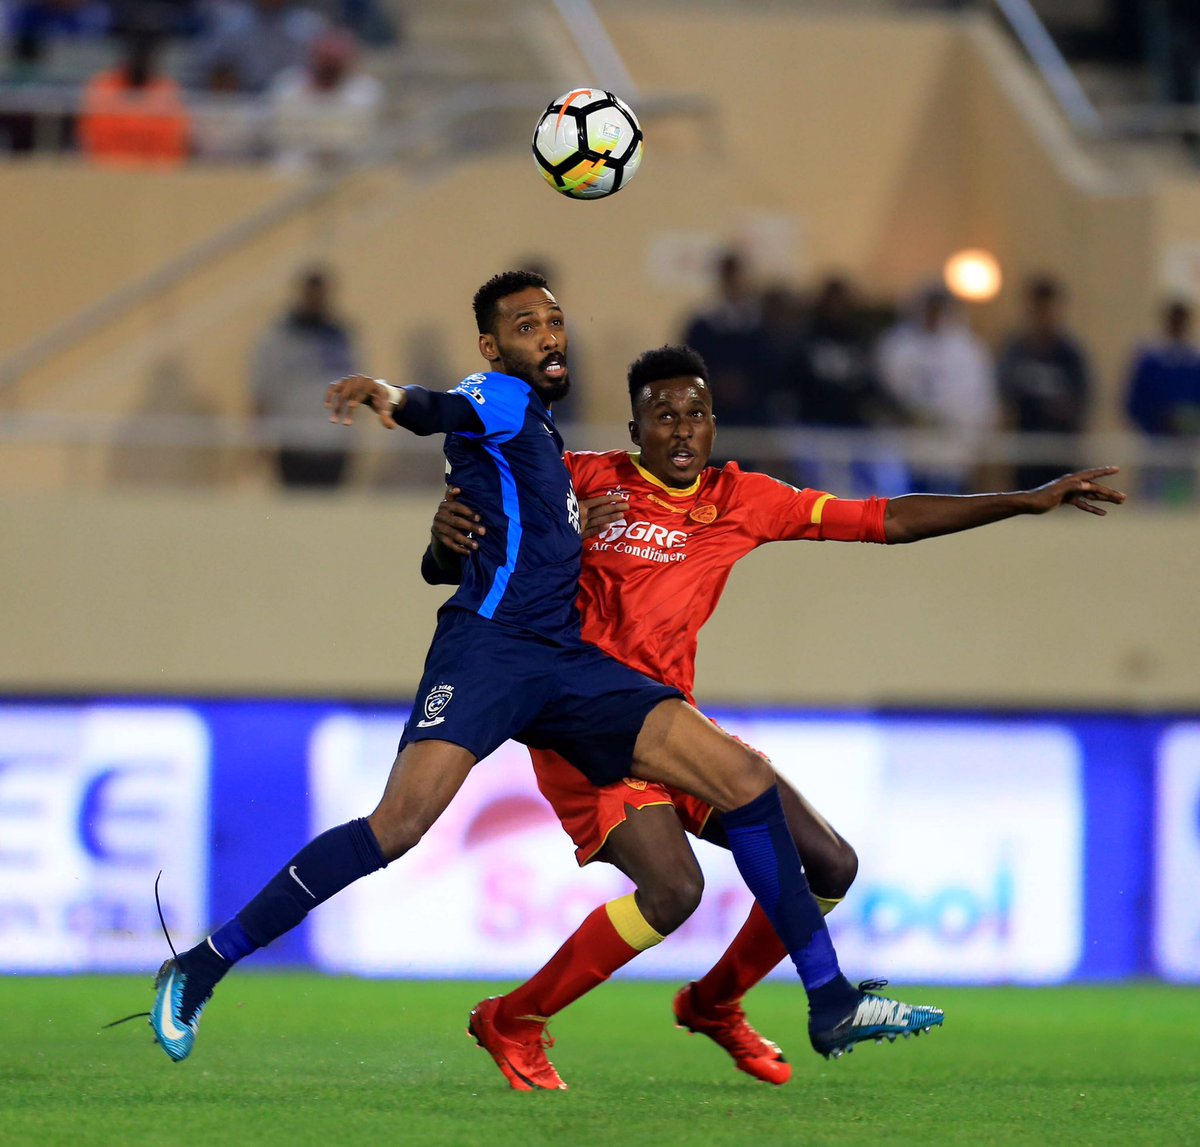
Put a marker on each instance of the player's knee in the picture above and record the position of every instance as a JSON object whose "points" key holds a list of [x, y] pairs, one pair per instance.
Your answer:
{"points": [[668, 904], [833, 875], [749, 780]]}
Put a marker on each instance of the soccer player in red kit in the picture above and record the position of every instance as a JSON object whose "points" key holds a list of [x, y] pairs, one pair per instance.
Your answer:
{"points": [[663, 533]]}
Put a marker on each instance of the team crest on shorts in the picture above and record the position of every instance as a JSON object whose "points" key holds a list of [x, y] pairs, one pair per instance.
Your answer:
{"points": [[435, 705]]}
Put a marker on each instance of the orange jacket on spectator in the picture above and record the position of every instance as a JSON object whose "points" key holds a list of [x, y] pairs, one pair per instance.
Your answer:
{"points": [[121, 123]]}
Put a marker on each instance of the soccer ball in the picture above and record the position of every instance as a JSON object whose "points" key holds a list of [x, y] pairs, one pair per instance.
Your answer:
{"points": [[587, 144]]}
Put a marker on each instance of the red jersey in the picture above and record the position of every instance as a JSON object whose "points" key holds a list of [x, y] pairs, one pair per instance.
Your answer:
{"points": [[652, 579]]}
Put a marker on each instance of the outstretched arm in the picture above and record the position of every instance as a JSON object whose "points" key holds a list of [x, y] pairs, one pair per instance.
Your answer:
{"points": [[413, 407], [912, 517]]}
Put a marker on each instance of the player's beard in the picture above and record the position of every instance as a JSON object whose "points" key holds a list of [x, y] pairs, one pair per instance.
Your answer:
{"points": [[554, 391], [548, 389]]}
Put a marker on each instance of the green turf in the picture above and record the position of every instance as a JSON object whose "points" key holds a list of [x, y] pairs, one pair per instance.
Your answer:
{"points": [[301, 1059]]}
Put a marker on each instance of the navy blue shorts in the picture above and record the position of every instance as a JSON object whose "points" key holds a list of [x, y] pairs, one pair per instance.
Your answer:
{"points": [[485, 684]]}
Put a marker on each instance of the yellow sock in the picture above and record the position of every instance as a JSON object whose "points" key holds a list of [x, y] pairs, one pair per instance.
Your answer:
{"points": [[626, 917], [826, 904]]}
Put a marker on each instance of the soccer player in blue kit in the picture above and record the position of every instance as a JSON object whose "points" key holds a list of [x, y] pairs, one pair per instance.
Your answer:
{"points": [[507, 662]]}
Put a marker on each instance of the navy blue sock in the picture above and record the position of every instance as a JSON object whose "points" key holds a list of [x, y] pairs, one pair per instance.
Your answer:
{"points": [[322, 868], [767, 858]]}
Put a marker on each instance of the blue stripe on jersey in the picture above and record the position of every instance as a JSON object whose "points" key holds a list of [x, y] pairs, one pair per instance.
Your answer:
{"points": [[512, 511]]}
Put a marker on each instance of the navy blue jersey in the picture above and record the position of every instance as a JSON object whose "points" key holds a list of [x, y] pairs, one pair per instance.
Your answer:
{"points": [[526, 570]]}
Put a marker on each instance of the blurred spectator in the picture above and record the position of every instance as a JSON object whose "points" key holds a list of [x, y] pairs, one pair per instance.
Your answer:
{"points": [[324, 112], [833, 372], [1164, 397], [46, 20], [1044, 379], [132, 114], [941, 377], [295, 361], [779, 331], [228, 124], [728, 336], [830, 381], [1172, 32], [370, 22], [26, 61], [172, 18], [255, 40], [172, 403]]}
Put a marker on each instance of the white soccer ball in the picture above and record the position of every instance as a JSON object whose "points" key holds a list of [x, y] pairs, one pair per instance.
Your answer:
{"points": [[587, 144]]}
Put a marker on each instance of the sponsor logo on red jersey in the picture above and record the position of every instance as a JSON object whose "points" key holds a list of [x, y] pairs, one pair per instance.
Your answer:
{"points": [[643, 540], [645, 532]]}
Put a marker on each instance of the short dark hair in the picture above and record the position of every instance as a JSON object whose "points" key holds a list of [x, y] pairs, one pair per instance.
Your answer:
{"points": [[1044, 289], [664, 362], [314, 276], [1178, 305], [498, 287], [1177, 315]]}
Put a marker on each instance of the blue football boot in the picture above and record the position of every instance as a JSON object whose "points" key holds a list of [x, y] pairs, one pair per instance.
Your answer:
{"points": [[179, 1000], [873, 1017]]}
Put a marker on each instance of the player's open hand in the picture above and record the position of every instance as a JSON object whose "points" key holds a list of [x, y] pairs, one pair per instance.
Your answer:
{"points": [[348, 394], [456, 525], [1079, 489], [597, 514]]}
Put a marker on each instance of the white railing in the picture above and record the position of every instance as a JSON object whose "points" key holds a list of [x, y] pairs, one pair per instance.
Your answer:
{"points": [[86, 449], [1028, 28]]}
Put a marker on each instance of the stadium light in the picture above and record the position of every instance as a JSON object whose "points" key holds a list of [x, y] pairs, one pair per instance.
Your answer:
{"points": [[973, 275]]}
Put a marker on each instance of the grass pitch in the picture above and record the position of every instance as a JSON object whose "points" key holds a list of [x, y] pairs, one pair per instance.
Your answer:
{"points": [[300, 1059]]}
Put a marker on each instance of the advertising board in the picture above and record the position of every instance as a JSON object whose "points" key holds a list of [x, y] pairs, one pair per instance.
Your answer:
{"points": [[969, 839], [95, 801]]}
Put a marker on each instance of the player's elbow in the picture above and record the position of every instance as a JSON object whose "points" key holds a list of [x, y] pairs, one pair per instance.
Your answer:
{"points": [[897, 531]]}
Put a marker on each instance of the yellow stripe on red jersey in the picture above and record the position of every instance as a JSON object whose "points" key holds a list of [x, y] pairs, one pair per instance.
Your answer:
{"points": [[652, 579]]}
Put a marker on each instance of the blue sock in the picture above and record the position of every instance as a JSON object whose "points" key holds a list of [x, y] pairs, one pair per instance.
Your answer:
{"points": [[767, 858], [322, 868]]}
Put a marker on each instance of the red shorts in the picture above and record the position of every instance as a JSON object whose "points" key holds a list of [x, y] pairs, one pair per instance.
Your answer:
{"points": [[589, 813]]}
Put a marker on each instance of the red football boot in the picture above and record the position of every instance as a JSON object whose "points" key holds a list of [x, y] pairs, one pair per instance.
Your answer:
{"points": [[522, 1056], [726, 1026]]}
